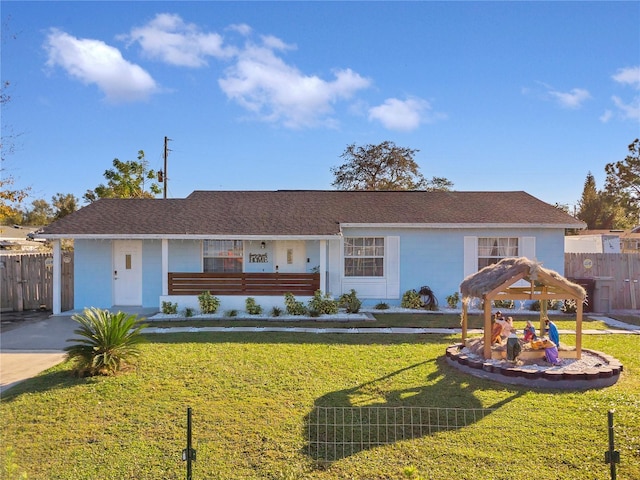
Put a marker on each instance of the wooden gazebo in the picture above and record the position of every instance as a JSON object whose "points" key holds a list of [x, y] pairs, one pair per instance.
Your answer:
{"points": [[519, 279]]}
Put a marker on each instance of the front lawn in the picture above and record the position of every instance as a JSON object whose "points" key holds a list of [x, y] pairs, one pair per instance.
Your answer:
{"points": [[251, 396]]}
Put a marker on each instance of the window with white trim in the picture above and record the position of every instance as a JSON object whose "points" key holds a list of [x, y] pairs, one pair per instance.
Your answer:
{"points": [[493, 249], [222, 256], [364, 257]]}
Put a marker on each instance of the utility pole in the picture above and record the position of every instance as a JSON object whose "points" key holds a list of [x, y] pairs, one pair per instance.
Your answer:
{"points": [[166, 154]]}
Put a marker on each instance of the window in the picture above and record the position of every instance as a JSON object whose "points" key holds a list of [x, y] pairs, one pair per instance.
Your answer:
{"points": [[491, 250], [223, 256], [364, 257]]}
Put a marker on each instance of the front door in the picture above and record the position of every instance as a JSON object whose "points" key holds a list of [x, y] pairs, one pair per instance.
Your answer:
{"points": [[127, 272], [290, 257]]}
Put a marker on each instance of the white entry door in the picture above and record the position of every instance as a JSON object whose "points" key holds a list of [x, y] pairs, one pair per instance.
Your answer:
{"points": [[290, 256], [127, 272]]}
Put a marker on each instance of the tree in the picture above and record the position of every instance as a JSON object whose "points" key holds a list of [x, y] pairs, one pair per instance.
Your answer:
{"points": [[40, 214], [598, 209], [623, 181], [64, 205], [383, 167], [10, 196], [126, 180]]}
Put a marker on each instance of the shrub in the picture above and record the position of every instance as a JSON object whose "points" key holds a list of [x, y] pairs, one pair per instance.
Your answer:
{"points": [[231, 313], [276, 311], [108, 341], [411, 299], [429, 300], [569, 306], [323, 304], [314, 313], [350, 302], [169, 308], [453, 299], [293, 306], [208, 303], [382, 306], [252, 307], [503, 304], [188, 312], [551, 305]]}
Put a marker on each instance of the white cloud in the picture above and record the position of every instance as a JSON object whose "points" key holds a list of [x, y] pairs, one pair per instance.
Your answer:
{"points": [[241, 28], [267, 86], [628, 76], [572, 99], [95, 62], [631, 110], [404, 115], [168, 38], [606, 116], [628, 110]]}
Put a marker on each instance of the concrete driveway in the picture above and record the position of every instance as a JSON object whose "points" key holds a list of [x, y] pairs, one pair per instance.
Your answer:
{"points": [[32, 346], [35, 343]]}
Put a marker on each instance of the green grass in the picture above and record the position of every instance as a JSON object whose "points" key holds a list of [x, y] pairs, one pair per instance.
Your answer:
{"points": [[382, 320], [251, 394]]}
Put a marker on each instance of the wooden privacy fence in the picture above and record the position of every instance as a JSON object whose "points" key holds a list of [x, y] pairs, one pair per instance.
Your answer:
{"points": [[26, 281], [613, 278], [243, 283]]}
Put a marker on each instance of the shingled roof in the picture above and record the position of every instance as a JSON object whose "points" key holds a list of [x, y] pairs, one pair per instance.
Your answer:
{"points": [[303, 213]]}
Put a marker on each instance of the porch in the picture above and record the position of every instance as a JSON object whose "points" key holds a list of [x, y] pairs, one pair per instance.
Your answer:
{"points": [[243, 284]]}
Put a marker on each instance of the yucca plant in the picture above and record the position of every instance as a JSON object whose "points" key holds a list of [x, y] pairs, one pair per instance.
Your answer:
{"points": [[108, 341]]}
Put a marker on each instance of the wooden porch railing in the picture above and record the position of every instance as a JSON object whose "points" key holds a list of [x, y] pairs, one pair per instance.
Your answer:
{"points": [[243, 283]]}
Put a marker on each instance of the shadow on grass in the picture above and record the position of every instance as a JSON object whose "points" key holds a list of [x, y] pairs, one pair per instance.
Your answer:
{"points": [[337, 427]]}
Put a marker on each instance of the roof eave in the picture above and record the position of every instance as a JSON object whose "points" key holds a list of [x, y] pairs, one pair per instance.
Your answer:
{"points": [[464, 225], [185, 237]]}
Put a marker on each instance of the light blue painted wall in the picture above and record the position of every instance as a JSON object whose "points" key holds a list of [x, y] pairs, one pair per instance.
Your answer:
{"points": [[151, 272], [185, 255], [255, 247], [313, 254], [435, 258], [427, 257], [93, 277]]}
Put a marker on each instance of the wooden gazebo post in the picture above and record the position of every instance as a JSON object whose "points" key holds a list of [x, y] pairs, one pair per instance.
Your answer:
{"points": [[487, 326], [465, 307], [579, 328]]}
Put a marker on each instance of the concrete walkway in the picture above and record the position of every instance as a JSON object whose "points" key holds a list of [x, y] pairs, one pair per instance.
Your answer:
{"points": [[35, 346]]}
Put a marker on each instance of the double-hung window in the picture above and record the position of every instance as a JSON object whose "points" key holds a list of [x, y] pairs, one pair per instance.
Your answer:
{"points": [[364, 257], [493, 249], [223, 256]]}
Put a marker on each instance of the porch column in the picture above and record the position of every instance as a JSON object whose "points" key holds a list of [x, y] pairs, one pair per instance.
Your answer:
{"points": [[165, 266], [323, 266], [56, 291]]}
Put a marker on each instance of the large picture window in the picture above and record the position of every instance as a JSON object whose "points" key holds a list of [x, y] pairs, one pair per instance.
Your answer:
{"points": [[364, 257], [223, 256], [493, 249]]}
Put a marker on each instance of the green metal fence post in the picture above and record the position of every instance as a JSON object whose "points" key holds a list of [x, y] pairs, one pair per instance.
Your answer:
{"points": [[189, 454], [611, 456]]}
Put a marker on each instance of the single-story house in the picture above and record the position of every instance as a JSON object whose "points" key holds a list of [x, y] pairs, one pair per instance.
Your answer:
{"points": [[235, 244]]}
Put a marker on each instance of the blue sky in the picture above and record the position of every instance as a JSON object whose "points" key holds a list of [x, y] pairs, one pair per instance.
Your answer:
{"points": [[267, 95]]}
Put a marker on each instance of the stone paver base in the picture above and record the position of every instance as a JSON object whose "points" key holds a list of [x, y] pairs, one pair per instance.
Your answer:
{"points": [[547, 378]]}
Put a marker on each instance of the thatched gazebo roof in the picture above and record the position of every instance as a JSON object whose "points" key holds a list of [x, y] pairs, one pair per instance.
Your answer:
{"points": [[502, 273], [519, 279]]}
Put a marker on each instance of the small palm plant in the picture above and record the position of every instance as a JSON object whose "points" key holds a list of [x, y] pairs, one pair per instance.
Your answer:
{"points": [[108, 341]]}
